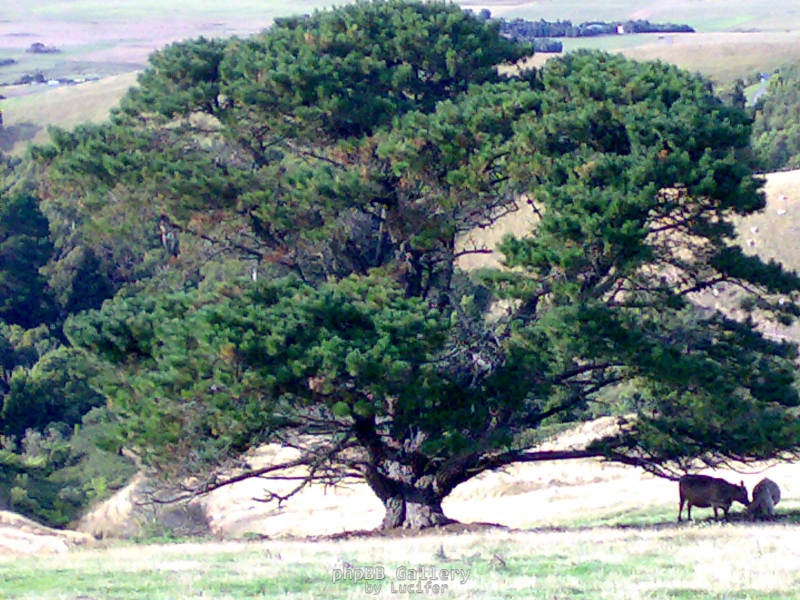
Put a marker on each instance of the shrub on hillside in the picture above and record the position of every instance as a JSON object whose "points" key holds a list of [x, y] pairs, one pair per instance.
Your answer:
{"points": [[776, 130], [53, 476]]}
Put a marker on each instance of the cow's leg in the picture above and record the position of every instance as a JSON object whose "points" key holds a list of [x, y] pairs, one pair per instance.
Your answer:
{"points": [[689, 510], [680, 509], [716, 514]]}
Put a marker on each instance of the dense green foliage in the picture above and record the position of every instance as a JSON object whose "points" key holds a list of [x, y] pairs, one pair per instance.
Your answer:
{"points": [[341, 160], [51, 418], [24, 248], [54, 475], [776, 130]]}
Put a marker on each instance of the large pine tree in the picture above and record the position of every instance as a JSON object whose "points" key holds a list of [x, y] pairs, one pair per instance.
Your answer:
{"points": [[344, 154]]}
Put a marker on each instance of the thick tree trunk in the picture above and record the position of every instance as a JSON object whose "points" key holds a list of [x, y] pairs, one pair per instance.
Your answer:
{"points": [[411, 502], [401, 477], [418, 513]]}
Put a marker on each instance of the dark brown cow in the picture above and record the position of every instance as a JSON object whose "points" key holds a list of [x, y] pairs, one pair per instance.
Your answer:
{"points": [[709, 492]]}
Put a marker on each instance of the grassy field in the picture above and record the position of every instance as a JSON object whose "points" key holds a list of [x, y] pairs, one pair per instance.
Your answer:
{"points": [[701, 561], [579, 529], [87, 10], [100, 39], [27, 117]]}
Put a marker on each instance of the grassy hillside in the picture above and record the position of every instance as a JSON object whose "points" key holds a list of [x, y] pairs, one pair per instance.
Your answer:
{"points": [[723, 56], [774, 233], [26, 117], [103, 38]]}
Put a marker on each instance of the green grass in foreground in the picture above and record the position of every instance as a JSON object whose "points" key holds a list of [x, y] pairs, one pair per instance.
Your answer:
{"points": [[704, 561], [640, 517]]}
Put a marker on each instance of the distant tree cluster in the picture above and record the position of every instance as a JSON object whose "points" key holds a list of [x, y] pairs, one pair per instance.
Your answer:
{"points": [[546, 45], [527, 30], [539, 32], [40, 48], [776, 129], [29, 78]]}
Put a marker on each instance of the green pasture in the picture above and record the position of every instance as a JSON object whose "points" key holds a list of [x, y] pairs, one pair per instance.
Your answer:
{"points": [[700, 561], [130, 23], [68, 64], [611, 43]]}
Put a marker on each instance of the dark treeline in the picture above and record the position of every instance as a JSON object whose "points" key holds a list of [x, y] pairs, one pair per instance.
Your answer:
{"points": [[526, 30], [537, 32], [547, 45]]}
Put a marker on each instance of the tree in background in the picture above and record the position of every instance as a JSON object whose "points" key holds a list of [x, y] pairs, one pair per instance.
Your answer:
{"points": [[25, 248], [776, 129], [50, 416], [347, 155]]}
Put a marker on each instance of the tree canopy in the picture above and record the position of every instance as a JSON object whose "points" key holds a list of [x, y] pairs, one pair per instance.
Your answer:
{"points": [[776, 129], [340, 160], [52, 421], [25, 247]]}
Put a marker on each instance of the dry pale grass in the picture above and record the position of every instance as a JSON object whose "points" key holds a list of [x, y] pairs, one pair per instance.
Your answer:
{"points": [[19, 535], [724, 56], [26, 117], [518, 223], [774, 232]]}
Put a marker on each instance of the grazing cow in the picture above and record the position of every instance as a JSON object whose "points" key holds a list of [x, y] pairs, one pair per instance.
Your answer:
{"points": [[766, 496], [709, 492]]}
